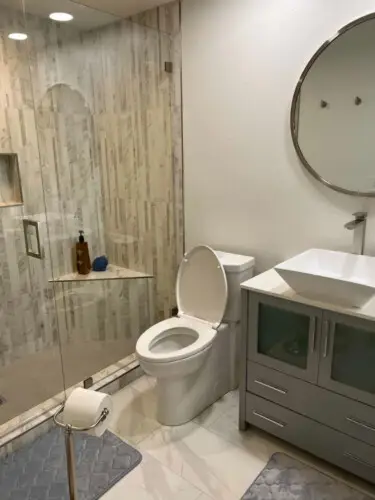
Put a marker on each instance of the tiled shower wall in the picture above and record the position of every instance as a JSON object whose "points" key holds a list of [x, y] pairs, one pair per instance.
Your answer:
{"points": [[101, 148], [125, 185], [137, 126]]}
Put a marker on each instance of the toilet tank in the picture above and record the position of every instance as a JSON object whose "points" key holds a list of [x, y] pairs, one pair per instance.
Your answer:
{"points": [[238, 268]]}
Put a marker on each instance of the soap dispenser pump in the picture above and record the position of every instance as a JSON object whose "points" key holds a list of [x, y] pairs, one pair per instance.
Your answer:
{"points": [[83, 255]]}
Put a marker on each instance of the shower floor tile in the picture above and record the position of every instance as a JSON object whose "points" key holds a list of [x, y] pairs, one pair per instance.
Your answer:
{"points": [[36, 378]]}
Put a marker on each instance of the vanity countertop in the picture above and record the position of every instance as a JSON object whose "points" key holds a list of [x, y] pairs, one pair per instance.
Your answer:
{"points": [[270, 283]]}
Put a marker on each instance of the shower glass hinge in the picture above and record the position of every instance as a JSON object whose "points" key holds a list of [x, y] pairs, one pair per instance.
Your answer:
{"points": [[168, 67], [88, 382]]}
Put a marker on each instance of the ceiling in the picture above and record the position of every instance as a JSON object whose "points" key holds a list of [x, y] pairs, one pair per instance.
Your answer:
{"points": [[123, 8], [88, 14]]}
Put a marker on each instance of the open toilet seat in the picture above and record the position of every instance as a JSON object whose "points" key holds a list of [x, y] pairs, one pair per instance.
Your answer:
{"points": [[159, 344], [201, 295]]}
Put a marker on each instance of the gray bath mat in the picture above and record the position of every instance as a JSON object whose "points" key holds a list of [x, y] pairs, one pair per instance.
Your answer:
{"points": [[38, 471], [285, 478]]}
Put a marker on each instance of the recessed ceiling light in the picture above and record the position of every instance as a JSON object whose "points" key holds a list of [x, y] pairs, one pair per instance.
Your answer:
{"points": [[63, 17], [17, 36]]}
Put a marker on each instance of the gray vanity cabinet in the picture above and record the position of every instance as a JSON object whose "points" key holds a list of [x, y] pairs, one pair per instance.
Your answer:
{"points": [[287, 336], [347, 362], [308, 377]]}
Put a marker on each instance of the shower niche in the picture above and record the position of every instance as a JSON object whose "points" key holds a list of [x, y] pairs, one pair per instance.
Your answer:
{"points": [[10, 182]]}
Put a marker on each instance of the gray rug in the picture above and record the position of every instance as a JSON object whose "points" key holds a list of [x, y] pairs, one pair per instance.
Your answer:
{"points": [[38, 471], [285, 478]]}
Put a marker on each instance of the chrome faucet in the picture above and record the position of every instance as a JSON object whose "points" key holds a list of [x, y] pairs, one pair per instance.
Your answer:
{"points": [[358, 225]]}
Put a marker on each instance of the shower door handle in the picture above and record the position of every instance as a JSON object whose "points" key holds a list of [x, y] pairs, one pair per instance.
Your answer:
{"points": [[31, 234]]}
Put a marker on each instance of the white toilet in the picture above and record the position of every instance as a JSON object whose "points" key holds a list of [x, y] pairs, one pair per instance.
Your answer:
{"points": [[194, 356]]}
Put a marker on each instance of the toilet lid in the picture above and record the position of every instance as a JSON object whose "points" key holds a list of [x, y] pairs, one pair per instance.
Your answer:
{"points": [[202, 289]]}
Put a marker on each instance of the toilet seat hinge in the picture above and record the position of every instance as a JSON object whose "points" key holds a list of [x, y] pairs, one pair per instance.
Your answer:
{"points": [[199, 320]]}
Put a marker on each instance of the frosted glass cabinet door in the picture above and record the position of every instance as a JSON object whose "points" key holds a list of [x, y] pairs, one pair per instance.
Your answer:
{"points": [[284, 335], [348, 357]]}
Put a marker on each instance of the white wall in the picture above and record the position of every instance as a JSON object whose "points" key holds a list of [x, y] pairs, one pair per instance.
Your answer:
{"points": [[245, 189]]}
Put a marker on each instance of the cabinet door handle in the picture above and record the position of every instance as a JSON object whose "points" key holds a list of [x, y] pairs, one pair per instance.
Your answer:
{"points": [[272, 387], [313, 333], [275, 422], [358, 460], [325, 335], [368, 427]]}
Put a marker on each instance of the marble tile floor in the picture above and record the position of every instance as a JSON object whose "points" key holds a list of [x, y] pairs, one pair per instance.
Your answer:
{"points": [[206, 459], [38, 377]]}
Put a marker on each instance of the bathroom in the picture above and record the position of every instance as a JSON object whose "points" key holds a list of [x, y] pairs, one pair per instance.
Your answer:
{"points": [[178, 136]]}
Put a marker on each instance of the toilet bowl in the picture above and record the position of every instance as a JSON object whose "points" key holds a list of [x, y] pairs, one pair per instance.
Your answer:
{"points": [[174, 347], [190, 355]]}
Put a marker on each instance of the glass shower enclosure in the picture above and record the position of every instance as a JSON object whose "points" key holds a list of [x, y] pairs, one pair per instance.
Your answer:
{"points": [[86, 143]]}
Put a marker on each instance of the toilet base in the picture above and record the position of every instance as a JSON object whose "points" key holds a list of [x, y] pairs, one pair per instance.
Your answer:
{"points": [[181, 399], [174, 409]]}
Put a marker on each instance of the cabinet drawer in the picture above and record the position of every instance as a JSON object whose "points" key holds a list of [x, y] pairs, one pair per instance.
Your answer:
{"points": [[344, 414], [320, 440], [286, 424], [285, 390]]}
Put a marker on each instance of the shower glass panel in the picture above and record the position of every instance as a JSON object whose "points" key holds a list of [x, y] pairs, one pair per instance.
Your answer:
{"points": [[31, 379], [90, 140], [103, 109], [72, 67]]}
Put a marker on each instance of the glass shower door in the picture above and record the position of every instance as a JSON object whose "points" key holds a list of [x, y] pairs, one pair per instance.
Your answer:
{"points": [[87, 117], [31, 379], [103, 106], [84, 133]]}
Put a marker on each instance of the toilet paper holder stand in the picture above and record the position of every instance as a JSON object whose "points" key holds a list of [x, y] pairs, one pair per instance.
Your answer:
{"points": [[69, 446]]}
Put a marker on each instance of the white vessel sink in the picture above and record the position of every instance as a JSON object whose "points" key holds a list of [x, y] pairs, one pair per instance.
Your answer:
{"points": [[325, 275]]}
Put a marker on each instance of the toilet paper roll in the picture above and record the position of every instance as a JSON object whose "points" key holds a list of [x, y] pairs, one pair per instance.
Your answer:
{"points": [[83, 408]]}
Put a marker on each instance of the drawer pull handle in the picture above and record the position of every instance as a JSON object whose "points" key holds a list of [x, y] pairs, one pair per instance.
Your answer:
{"points": [[275, 422], [272, 387], [368, 427], [358, 460]]}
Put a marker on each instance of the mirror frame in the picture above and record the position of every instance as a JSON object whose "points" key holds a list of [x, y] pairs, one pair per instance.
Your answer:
{"points": [[295, 104]]}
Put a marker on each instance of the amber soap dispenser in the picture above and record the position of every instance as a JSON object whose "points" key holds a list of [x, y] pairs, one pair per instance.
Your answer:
{"points": [[83, 255]]}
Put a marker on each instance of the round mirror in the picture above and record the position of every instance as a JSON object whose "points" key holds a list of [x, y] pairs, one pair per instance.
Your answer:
{"points": [[333, 111]]}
